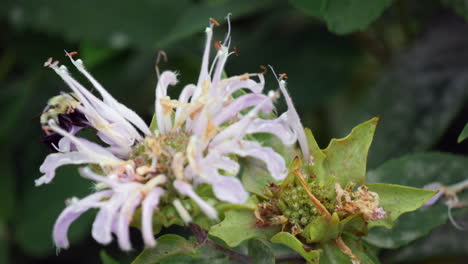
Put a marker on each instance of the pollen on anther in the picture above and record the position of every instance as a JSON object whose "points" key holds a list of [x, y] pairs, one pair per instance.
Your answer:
{"points": [[70, 54], [216, 23], [217, 45], [55, 63], [48, 62]]}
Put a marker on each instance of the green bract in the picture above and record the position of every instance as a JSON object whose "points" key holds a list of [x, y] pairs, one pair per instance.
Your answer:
{"points": [[304, 226]]}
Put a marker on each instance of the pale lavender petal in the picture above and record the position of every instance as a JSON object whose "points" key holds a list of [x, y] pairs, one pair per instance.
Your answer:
{"points": [[93, 108], [228, 189], [55, 160], [218, 161], [163, 119], [436, 197], [102, 115], [238, 129], [222, 55], [295, 122], [249, 84], [99, 153], [64, 144], [107, 217], [127, 113], [86, 172], [184, 97], [200, 123], [194, 153], [71, 213], [186, 189], [204, 75], [277, 127], [147, 210], [101, 230], [236, 106], [124, 218], [274, 162]]}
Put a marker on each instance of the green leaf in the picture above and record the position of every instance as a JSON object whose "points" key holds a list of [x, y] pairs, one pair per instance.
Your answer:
{"points": [[442, 243], [460, 6], [106, 259], [418, 170], [344, 159], [354, 224], [397, 200], [287, 239], [238, 226], [317, 154], [261, 252], [167, 246], [404, 96], [332, 254], [255, 176], [170, 21], [464, 134], [322, 230], [344, 16]]}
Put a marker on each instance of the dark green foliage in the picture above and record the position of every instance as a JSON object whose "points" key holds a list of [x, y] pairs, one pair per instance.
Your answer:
{"points": [[347, 61]]}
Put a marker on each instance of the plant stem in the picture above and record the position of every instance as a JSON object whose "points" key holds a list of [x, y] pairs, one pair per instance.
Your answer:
{"points": [[345, 249], [290, 258], [320, 208], [202, 238]]}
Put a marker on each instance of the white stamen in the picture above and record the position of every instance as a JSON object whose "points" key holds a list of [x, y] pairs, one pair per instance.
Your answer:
{"points": [[183, 213], [160, 179]]}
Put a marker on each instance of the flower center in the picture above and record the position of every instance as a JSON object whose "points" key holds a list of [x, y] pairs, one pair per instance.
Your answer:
{"points": [[160, 154]]}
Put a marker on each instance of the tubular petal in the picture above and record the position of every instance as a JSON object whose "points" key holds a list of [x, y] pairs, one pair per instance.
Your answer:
{"points": [[71, 213], [164, 119], [148, 205], [186, 189]]}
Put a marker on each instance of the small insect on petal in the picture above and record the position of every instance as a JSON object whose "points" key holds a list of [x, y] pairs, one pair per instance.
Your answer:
{"points": [[236, 52], [264, 68], [216, 23]]}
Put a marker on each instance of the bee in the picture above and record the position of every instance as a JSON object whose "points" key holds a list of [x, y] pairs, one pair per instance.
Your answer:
{"points": [[62, 109]]}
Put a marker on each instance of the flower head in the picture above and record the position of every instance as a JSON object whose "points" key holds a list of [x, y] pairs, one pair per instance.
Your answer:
{"points": [[196, 141]]}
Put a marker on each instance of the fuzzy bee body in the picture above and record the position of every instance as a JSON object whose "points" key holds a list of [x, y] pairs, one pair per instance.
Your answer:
{"points": [[62, 109]]}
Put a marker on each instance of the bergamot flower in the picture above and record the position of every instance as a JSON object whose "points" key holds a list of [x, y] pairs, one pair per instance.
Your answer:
{"points": [[197, 139]]}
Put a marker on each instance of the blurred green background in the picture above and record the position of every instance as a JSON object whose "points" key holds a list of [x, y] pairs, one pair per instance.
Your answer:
{"points": [[346, 60]]}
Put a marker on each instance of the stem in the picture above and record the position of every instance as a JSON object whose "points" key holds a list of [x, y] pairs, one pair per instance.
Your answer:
{"points": [[458, 187], [202, 238], [320, 208], [345, 249], [290, 258]]}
